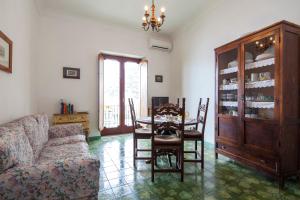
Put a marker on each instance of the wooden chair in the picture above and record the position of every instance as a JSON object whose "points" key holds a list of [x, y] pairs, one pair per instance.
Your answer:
{"points": [[168, 143], [138, 133], [196, 135]]}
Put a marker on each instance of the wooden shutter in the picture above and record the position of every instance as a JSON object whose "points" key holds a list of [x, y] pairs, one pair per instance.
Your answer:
{"points": [[144, 87], [101, 92]]}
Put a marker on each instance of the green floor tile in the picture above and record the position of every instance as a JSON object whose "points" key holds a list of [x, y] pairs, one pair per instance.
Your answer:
{"points": [[220, 180]]}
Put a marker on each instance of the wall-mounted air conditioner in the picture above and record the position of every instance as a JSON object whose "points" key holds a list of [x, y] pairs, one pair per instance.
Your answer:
{"points": [[160, 45]]}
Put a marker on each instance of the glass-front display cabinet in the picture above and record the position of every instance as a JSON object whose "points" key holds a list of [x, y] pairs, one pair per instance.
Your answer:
{"points": [[257, 108]]}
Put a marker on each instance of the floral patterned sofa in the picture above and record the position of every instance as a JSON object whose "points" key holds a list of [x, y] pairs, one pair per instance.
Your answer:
{"points": [[38, 162]]}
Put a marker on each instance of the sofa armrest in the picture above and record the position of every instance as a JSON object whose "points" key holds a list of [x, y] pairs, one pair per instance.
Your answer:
{"points": [[64, 130], [68, 179]]}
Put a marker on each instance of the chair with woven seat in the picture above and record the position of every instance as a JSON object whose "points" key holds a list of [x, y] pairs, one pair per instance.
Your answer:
{"points": [[173, 143], [138, 133], [196, 135]]}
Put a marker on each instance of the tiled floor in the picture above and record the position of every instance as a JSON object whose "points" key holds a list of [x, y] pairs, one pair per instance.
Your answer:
{"points": [[221, 179]]}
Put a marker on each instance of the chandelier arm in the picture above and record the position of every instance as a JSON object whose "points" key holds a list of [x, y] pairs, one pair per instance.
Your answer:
{"points": [[157, 29], [146, 28]]}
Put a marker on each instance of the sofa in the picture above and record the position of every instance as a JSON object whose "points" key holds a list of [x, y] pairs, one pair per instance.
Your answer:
{"points": [[42, 162]]}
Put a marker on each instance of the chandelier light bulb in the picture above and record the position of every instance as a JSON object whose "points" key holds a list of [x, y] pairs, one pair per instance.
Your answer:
{"points": [[163, 10], [144, 18], [146, 8], [159, 20]]}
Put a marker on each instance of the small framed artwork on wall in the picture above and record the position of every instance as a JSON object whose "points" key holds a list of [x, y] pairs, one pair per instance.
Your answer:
{"points": [[73, 73], [158, 78], [6, 46]]}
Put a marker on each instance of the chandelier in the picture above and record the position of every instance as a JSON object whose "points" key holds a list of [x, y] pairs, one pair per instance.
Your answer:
{"points": [[151, 20]]}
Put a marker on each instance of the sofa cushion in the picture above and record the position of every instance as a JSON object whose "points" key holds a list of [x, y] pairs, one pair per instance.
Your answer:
{"points": [[63, 130], [3, 130], [33, 131], [52, 154], [14, 147], [66, 140], [43, 125], [75, 178]]}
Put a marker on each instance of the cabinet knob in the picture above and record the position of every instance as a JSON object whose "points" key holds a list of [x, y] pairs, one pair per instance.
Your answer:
{"points": [[262, 161]]}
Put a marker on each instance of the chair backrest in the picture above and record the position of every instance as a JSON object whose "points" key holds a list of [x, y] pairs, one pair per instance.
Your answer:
{"points": [[132, 113], [173, 118], [202, 114]]}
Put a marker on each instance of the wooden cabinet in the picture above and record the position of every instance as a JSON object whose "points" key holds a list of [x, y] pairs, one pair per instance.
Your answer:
{"points": [[79, 117], [257, 100]]}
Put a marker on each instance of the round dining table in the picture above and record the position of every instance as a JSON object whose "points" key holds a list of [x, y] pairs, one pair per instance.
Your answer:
{"points": [[148, 121]]}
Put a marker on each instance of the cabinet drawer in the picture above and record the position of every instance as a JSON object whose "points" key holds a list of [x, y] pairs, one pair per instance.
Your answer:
{"points": [[264, 163], [70, 118], [267, 163], [82, 117], [228, 149]]}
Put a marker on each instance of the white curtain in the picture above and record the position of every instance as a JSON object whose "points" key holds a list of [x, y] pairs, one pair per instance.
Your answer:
{"points": [[144, 88], [101, 92]]}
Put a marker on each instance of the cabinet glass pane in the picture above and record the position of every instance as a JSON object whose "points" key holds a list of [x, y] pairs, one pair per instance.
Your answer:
{"points": [[228, 82], [260, 78]]}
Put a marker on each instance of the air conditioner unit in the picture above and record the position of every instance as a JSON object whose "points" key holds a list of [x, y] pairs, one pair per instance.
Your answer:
{"points": [[160, 45]]}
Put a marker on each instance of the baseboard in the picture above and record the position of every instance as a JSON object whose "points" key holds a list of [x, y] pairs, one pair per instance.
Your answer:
{"points": [[210, 145], [93, 138]]}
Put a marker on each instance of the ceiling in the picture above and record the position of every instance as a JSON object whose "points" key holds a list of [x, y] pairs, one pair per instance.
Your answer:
{"points": [[126, 12]]}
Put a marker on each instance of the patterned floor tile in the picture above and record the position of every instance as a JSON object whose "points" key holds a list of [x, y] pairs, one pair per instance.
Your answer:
{"points": [[220, 180]]}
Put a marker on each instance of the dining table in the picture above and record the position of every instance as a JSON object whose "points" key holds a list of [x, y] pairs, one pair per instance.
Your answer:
{"points": [[160, 120], [148, 121]]}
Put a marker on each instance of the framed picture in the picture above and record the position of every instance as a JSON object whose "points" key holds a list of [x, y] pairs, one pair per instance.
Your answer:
{"points": [[159, 78], [73, 73], [6, 46]]}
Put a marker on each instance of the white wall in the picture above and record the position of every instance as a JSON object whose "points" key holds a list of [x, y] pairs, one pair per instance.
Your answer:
{"points": [[18, 21], [224, 20], [76, 42]]}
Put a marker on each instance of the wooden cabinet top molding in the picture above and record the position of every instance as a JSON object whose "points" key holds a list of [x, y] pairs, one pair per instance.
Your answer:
{"points": [[278, 25]]}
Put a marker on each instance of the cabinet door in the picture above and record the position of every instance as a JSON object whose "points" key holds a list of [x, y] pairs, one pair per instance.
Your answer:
{"points": [[260, 72], [227, 87]]}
